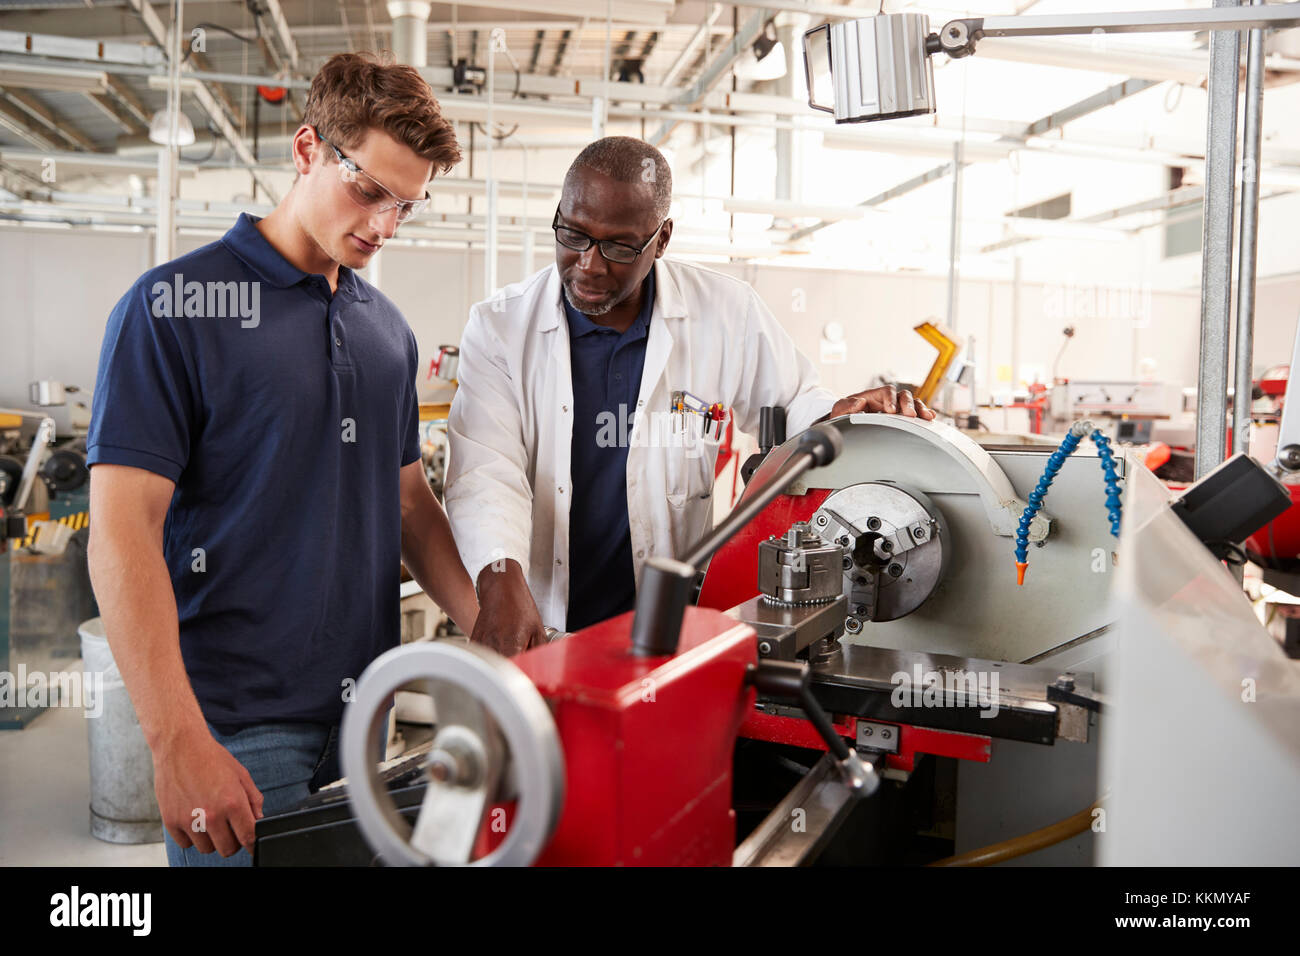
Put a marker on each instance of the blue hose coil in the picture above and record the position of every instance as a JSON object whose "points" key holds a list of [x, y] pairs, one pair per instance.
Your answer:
{"points": [[1054, 464], [1110, 477]]}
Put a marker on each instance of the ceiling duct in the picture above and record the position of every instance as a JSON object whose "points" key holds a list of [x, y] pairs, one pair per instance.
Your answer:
{"points": [[410, 31]]}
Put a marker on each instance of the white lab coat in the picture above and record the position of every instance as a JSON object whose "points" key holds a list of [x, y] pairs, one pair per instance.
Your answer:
{"points": [[508, 485]]}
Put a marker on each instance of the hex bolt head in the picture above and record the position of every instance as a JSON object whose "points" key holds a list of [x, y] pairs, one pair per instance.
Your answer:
{"points": [[895, 570], [885, 734], [442, 766], [886, 546], [848, 562], [867, 731], [1065, 682], [919, 532], [764, 648], [860, 609], [842, 541], [873, 523]]}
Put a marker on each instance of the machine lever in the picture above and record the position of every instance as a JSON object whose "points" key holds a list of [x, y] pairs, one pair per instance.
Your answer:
{"points": [[790, 680], [1064, 692], [771, 433]]}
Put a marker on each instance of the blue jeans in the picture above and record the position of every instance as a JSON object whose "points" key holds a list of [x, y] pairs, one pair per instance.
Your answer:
{"points": [[287, 763]]}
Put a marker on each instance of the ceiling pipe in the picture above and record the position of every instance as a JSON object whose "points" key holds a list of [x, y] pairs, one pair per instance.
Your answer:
{"points": [[410, 31]]}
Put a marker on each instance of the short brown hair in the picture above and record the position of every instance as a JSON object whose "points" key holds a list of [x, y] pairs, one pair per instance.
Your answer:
{"points": [[355, 92]]}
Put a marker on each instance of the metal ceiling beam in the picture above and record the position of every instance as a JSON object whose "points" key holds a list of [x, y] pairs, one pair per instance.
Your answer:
{"points": [[1174, 199], [537, 51], [9, 154], [282, 30], [201, 64], [18, 123], [371, 35], [560, 50], [127, 98], [648, 47], [60, 126], [714, 72], [347, 27], [110, 108], [1107, 97]]}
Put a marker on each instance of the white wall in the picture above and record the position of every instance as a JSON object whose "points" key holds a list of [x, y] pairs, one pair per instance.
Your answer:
{"points": [[56, 291]]}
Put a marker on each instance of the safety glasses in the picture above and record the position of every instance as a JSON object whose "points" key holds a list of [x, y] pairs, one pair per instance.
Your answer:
{"points": [[369, 193]]}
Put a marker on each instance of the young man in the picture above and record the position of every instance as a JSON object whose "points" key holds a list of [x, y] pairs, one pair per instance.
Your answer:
{"points": [[256, 472], [556, 511]]}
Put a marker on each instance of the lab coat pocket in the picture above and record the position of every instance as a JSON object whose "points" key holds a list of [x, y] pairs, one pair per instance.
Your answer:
{"points": [[690, 516], [690, 465]]}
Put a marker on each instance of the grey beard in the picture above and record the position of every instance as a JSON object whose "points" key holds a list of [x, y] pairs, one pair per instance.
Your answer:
{"points": [[601, 310]]}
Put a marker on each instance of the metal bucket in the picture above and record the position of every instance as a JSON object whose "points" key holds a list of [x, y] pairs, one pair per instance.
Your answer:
{"points": [[123, 808]]}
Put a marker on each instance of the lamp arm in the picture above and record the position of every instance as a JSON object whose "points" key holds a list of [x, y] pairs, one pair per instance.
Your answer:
{"points": [[958, 37]]}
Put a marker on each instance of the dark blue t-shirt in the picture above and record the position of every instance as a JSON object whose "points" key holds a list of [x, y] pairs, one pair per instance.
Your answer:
{"points": [[607, 369], [283, 414]]}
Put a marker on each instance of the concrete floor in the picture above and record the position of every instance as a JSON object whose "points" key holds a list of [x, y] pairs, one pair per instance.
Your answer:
{"points": [[45, 799]]}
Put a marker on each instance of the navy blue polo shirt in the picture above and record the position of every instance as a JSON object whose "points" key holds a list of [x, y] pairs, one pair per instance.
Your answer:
{"points": [[607, 369], [283, 413]]}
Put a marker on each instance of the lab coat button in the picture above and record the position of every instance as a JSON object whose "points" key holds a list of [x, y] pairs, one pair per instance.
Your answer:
{"points": [[640, 554]]}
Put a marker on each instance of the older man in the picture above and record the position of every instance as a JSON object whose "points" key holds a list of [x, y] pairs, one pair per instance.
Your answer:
{"points": [[574, 453]]}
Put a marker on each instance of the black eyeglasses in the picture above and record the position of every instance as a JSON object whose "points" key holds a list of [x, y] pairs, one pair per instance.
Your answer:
{"points": [[369, 193], [579, 241]]}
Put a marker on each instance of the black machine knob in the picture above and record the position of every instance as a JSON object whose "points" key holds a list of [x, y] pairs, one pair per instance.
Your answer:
{"points": [[65, 470], [771, 433]]}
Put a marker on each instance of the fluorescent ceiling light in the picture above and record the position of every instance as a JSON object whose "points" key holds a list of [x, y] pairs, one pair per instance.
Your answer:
{"points": [[60, 81]]}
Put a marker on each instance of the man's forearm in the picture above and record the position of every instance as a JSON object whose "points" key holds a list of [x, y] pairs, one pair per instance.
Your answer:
{"points": [[429, 553], [138, 607]]}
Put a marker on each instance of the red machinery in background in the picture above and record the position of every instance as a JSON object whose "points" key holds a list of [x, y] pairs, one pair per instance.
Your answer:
{"points": [[1276, 546]]}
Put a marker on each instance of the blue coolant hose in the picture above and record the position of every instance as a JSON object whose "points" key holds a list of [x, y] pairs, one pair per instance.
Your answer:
{"points": [[1077, 432]]}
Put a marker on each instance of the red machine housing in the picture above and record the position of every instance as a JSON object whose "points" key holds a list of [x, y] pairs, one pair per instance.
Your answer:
{"points": [[648, 742], [1279, 540]]}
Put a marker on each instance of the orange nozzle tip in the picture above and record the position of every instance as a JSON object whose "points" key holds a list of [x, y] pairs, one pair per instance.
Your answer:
{"points": [[1021, 567]]}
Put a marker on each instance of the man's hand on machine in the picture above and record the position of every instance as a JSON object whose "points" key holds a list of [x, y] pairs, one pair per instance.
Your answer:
{"points": [[192, 772], [508, 621], [883, 399]]}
